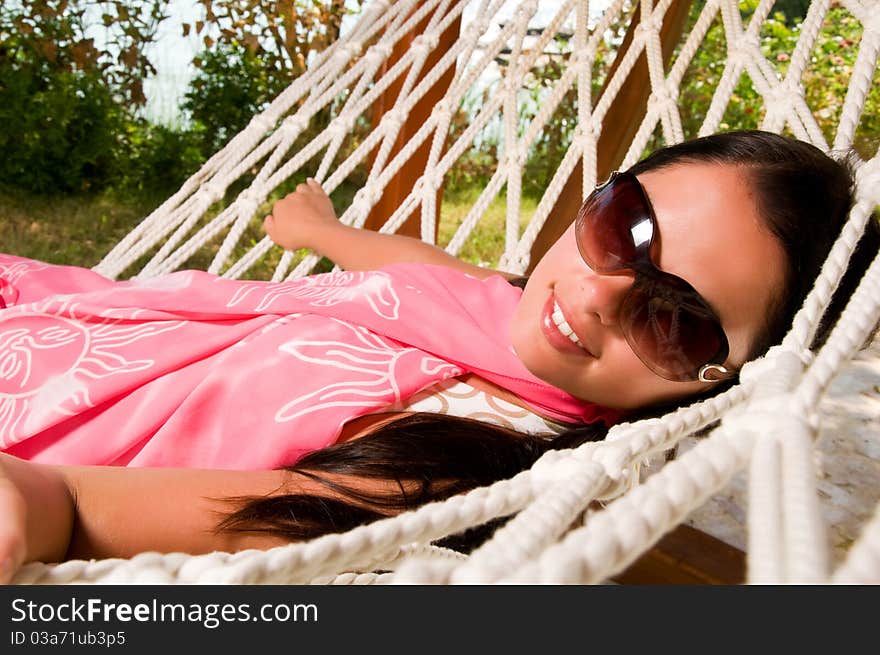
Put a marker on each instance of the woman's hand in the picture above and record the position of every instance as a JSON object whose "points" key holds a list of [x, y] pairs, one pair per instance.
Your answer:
{"points": [[303, 219], [36, 514]]}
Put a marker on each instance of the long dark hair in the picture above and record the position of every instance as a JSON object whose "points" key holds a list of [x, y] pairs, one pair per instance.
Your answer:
{"points": [[804, 197]]}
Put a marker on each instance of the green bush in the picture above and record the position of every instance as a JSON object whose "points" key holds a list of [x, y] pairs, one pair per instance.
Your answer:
{"points": [[65, 101], [156, 161], [232, 85], [59, 128]]}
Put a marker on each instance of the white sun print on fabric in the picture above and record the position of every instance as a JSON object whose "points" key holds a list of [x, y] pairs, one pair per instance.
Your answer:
{"points": [[369, 361], [48, 356], [329, 289]]}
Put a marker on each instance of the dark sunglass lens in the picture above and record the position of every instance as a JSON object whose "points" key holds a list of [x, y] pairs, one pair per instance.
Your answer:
{"points": [[672, 338], [614, 225]]}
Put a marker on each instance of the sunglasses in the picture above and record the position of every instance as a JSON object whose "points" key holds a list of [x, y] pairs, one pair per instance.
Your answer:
{"points": [[668, 325]]}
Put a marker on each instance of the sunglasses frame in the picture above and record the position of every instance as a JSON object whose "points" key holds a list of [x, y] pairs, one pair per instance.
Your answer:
{"points": [[645, 269]]}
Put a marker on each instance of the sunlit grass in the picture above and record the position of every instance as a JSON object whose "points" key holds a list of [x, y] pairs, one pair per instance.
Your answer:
{"points": [[80, 230], [485, 245], [65, 230]]}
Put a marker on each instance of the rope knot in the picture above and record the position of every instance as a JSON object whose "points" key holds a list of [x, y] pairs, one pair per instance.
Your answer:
{"points": [[367, 196], [556, 466], [353, 49], [425, 43], [583, 57], [378, 53], [213, 191], [517, 155], [293, 126], [750, 42], [260, 123], [341, 125], [515, 263], [662, 97], [249, 200], [868, 181], [433, 180], [473, 31], [761, 415], [649, 25], [420, 186], [739, 51], [779, 360], [393, 118], [380, 6], [443, 108], [527, 8], [780, 94]]}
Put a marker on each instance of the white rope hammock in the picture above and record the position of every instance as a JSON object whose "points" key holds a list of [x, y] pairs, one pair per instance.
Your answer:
{"points": [[768, 423]]}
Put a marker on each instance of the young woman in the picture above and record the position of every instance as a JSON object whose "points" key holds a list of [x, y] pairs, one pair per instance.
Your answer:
{"points": [[674, 274]]}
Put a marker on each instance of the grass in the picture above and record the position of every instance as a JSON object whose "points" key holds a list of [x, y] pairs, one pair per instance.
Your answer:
{"points": [[77, 230], [80, 230], [485, 245]]}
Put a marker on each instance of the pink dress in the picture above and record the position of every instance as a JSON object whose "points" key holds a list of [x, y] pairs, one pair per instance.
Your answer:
{"points": [[194, 370]]}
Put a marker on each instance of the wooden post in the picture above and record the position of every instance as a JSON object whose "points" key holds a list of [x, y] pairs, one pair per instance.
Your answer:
{"points": [[401, 184], [687, 556], [621, 124]]}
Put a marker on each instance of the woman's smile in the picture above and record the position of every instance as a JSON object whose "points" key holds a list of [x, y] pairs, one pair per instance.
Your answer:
{"points": [[557, 329]]}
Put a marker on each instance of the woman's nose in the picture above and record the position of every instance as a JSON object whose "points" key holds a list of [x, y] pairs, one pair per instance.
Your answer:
{"points": [[603, 294]]}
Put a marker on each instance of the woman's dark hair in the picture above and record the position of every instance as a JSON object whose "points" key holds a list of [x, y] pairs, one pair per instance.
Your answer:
{"points": [[804, 197]]}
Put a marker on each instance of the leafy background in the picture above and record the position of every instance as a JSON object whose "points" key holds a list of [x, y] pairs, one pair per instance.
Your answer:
{"points": [[82, 162]]}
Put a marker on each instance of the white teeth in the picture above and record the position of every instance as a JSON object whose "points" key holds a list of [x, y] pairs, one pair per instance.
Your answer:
{"points": [[564, 327]]}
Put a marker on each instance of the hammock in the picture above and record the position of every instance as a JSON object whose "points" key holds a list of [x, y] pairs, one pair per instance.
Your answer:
{"points": [[417, 61]]}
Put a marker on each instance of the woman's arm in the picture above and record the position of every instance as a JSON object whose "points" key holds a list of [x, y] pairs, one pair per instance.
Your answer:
{"points": [[36, 514], [306, 219], [52, 513]]}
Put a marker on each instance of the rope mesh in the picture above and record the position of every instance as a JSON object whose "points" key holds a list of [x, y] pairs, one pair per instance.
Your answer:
{"points": [[766, 425]]}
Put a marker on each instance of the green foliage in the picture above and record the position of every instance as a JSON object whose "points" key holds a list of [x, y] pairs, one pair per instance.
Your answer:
{"points": [[232, 85], [55, 33], [158, 160], [746, 106], [59, 126], [65, 103], [545, 153], [825, 80], [284, 34], [551, 143], [793, 10]]}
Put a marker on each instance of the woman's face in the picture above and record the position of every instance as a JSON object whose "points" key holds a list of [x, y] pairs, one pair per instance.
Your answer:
{"points": [[710, 234]]}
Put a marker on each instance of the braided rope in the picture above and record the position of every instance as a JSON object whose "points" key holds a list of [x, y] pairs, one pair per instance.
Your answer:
{"points": [[767, 423]]}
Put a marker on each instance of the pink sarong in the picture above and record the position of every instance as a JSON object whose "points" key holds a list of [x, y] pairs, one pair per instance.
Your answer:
{"points": [[193, 370]]}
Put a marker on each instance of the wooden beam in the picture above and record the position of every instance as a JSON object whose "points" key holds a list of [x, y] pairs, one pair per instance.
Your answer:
{"points": [[621, 124], [687, 556], [401, 184]]}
